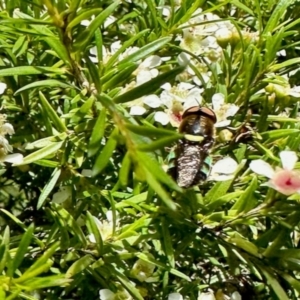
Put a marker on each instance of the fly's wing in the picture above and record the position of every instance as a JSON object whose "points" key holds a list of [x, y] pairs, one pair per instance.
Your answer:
{"points": [[189, 161]]}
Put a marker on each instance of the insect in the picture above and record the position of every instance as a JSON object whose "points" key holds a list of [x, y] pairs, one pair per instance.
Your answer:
{"points": [[192, 162]]}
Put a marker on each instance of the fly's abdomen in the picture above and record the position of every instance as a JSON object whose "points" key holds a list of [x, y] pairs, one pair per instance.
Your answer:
{"points": [[188, 164]]}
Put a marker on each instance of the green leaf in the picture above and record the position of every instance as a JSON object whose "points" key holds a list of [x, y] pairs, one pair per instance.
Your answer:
{"points": [[125, 46], [41, 265], [21, 251], [29, 70], [86, 36], [272, 281], [97, 133], [280, 66], [93, 229], [41, 153], [154, 168], [72, 224], [159, 144], [247, 200], [167, 240], [164, 196], [59, 48], [146, 50], [128, 285], [4, 249], [85, 15], [148, 87], [48, 83], [124, 170], [279, 133], [48, 187], [51, 113], [106, 153], [152, 131], [46, 282], [80, 265], [277, 14]]}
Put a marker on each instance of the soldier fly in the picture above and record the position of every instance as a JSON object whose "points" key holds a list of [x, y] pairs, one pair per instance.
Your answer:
{"points": [[192, 162]]}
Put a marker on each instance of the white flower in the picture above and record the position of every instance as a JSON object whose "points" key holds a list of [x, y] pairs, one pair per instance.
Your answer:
{"points": [[146, 70], [105, 227], [284, 180], [176, 99], [223, 110], [142, 270], [175, 296], [223, 169]]}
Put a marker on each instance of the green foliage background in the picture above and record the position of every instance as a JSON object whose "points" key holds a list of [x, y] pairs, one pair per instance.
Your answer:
{"points": [[69, 114]]}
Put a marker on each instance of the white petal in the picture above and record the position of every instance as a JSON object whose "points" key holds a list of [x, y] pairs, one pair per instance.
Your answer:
{"points": [[152, 101], [288, 159], [217, 101], [161, 117], [7, 128], [175, 296], [222, 123], [154, 73], [15, 158], [3, 87], [261, 167], [190, 102], [109, 215], [183, 59], [85, 23], [185, 86], [106, 294], [236, 296], [166, 86], [115, 46], [62, 195], [109, 21], [92, 239], [137, 110], [232, 110], [226, 165], [218, 177], [143, 76], [206, 296], [152, 61]]}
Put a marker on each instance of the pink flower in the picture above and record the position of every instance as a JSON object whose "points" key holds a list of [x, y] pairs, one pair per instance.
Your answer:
{"points": [[284, 180]]}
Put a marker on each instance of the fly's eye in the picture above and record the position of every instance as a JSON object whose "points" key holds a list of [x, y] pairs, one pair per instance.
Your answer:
{"points": [[202, 111], [209, 113], [191, 111]]}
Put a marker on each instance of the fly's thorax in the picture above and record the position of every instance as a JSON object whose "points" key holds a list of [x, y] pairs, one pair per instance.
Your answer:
{"points": [[198, 125]]}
